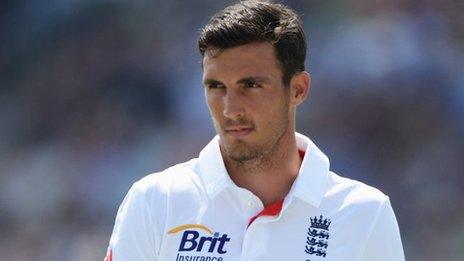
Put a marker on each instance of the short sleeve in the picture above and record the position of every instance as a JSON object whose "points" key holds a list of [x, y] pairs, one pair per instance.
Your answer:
{"points": [[133, 236], [384, 241]]}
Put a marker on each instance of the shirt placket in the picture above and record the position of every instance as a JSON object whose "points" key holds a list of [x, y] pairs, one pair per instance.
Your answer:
{"points": [[256, 230]]}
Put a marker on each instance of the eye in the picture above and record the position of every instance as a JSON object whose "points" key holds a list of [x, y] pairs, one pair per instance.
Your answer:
{"points": [[214, 85], [252, 84]]}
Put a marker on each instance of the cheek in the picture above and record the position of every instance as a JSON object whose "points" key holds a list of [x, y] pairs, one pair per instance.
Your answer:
{"points": [[266, 104], [214, 105], [272, 110]]}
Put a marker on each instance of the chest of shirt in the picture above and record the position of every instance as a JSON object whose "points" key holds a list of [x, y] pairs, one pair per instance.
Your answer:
{"points": [[220, 230]]}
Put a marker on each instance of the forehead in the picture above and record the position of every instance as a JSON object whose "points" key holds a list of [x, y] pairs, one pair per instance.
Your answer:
{"points": [[248, 59]]}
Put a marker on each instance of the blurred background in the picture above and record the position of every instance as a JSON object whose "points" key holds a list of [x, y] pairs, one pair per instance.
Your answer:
{"points": [[95, 94]]}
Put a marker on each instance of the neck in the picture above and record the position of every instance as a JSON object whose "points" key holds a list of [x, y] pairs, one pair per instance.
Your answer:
{"points": [[270, 177]]}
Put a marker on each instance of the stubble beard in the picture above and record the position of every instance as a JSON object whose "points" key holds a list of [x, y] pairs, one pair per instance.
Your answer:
{"points": [[253, 155]]}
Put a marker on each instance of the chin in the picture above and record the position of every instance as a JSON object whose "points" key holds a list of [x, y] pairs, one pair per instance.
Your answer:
{"points": [[240, 151]]}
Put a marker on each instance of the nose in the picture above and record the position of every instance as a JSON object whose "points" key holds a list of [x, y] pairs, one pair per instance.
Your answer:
{"points": [[233, 106]]}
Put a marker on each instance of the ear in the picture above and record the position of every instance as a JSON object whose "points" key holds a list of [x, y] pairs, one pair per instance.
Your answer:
{"points": [[299, 87]]}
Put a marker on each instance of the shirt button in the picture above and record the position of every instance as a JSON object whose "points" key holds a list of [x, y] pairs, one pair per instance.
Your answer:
{"points": [[251, 203]]}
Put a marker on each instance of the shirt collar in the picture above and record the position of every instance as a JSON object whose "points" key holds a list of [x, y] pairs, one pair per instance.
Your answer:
{"points": [[212, 168], [313, 178], [310, 186]]}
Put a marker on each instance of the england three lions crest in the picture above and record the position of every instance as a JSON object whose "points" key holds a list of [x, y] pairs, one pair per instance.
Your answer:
{"points": [[317, 239]]}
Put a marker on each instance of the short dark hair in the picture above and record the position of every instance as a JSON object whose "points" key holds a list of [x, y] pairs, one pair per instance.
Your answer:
{"points": [[259, 21]]}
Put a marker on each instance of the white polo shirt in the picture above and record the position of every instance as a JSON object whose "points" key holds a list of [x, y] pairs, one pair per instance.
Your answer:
{"points": [[194, 212]]}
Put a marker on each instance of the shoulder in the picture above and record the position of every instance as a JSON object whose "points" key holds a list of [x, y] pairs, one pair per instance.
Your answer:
{"points": [[179, 177], [366, 211], [359, 204], [171, 188], [150, 197], [352, 193]]}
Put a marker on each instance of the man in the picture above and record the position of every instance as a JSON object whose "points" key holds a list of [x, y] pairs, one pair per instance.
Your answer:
{"points": [[258, 190]]}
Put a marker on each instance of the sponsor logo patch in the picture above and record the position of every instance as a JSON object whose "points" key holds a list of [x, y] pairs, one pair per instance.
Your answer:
{"points": [[200, 243]]}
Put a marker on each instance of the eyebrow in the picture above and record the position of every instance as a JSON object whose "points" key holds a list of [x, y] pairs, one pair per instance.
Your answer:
{"points": [[260, 79], [211, 81]]}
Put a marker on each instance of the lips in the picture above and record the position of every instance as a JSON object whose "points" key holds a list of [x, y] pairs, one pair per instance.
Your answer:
{"points": [[239, 131]]}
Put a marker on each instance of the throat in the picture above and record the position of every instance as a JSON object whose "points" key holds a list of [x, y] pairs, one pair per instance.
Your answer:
{"points": [[269, 180]]}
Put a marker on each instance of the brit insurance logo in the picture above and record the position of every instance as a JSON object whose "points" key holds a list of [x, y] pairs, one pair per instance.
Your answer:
{"points": [[199, 243], [318, 236]]}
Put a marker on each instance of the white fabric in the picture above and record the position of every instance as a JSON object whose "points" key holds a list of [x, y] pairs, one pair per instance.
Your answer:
{"points": [[194, 212]]}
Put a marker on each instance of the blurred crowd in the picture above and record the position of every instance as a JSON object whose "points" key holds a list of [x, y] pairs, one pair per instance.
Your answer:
{"points": [[95, 95]]}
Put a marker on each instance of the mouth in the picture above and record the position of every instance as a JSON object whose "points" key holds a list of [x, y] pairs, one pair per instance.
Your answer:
{"points": [[239, 131]]}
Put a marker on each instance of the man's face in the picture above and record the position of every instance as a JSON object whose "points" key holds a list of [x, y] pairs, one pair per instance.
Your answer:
{"points": [[247, 100]]}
